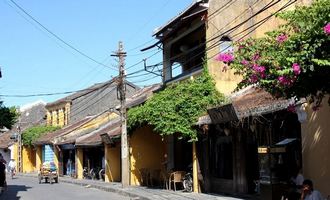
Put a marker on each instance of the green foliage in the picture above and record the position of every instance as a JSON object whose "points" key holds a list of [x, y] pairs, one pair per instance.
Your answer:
{"points": [[32, 134], [177, 108], [8, 116], [301, 42]]}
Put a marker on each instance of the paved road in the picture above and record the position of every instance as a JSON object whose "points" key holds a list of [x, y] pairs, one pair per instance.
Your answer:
{"points": [[27, 188]]}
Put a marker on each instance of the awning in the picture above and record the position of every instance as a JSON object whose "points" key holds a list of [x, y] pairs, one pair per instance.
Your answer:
{"points": [[250, 101], [112, 128]]}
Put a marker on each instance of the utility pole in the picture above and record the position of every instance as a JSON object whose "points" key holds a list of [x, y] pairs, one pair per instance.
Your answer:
{"points": [[122, 97], [19, 138]]}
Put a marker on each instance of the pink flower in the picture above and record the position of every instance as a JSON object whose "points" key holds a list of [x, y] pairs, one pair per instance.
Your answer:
{"points": [[326, 29], [296, 68], [253, 78], [259, 69], [245, 62], [281, 38], [284, 80], [225, 57], [256, 56]]}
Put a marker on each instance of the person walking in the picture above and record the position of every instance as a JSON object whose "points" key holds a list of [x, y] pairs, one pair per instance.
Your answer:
{"points": [[12, 167]]}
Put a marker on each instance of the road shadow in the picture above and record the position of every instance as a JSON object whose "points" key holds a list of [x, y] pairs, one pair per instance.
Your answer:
{"points": [[11, 192]]}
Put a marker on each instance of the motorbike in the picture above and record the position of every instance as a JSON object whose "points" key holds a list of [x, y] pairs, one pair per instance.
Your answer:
{"points": [[188, 180]]}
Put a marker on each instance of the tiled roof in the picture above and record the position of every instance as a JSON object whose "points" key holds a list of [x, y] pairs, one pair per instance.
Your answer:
{"points": [[254, 101], [250, 101], [112, 128], [177, 18], [141, 95], [46, 139], [5, 140], [30, 116], [85, 92]]}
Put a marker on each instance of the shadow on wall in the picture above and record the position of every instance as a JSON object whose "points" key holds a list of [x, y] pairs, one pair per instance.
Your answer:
{"points": [[316, 146], [147, 153], [29, 164]]}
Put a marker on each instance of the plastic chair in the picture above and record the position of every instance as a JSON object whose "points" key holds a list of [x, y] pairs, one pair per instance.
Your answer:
{"points": [[176, 177]]}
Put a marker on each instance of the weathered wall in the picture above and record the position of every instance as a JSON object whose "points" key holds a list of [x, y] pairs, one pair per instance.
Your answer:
{"points": [[29, 159], [222, 20], [316, 147], [112, 163], [146, 151]]}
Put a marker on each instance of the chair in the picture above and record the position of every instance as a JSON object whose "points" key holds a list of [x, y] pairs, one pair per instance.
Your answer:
{"points": [[176, 177]]}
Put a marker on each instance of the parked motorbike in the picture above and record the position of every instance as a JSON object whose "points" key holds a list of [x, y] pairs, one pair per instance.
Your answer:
{"points": [[188, 180]]}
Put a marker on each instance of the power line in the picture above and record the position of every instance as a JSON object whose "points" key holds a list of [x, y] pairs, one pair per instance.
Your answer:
{"points": [[258, 24], [50, 94], [59, 38]]}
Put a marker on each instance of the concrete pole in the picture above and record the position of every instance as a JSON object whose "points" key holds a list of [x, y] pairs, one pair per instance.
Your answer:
{"points": [[124, 142]]}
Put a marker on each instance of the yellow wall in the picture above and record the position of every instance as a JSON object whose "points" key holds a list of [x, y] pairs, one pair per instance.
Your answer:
{"points": [[93, 124], [225, 19], [79, 162], [29, 159], [15, 153], [56, 157], [316, 147], [112, 163], [38, 157], [146, 151], [57, 115]]}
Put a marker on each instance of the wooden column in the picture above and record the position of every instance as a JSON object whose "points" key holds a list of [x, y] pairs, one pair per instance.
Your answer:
{"points": [[195, 170]]}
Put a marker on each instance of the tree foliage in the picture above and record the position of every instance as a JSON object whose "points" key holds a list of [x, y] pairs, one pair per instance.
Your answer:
{"points": [[30, 135], [294, 59], [177, 108], [8, 116]]}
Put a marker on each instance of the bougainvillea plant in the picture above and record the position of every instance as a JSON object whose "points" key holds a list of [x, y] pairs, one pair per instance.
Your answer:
{"points": [[292, 60], [176, 108]]}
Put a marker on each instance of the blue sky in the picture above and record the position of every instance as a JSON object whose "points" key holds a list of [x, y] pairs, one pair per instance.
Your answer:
{"points": [[32, 61]]}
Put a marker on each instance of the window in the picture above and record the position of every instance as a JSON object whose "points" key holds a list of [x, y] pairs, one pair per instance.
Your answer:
{"points": [[226, 45], [176, 69]]}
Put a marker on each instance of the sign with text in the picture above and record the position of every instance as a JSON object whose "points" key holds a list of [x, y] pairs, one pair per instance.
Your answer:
{"points": [[222, 114]]}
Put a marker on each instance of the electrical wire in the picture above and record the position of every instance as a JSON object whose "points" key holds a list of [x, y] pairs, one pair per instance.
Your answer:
{"points": [[59, 38], [258, 24]]}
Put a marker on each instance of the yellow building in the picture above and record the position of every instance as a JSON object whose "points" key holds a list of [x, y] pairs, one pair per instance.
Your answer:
{"points": [[201, 32]]}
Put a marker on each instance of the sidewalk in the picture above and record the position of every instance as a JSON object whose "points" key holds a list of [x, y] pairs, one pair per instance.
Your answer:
{"points": [[137, 192]]}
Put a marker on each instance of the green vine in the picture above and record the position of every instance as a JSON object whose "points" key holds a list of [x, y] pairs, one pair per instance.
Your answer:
{"points": [[176, 109], [30, 135]]}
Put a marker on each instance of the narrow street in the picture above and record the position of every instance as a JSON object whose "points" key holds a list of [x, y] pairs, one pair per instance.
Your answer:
{"points": [[27, 188]]}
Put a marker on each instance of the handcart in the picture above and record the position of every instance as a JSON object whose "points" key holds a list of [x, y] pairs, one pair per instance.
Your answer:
{"points": [[48, 172]]}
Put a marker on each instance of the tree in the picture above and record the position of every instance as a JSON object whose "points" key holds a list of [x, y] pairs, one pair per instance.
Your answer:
{"points": [[8, 116], [31, 134], [291, 61]]}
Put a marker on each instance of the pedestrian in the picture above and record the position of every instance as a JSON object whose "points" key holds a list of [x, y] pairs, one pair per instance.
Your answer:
{"points": [[308, 192], [12, 167]]}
